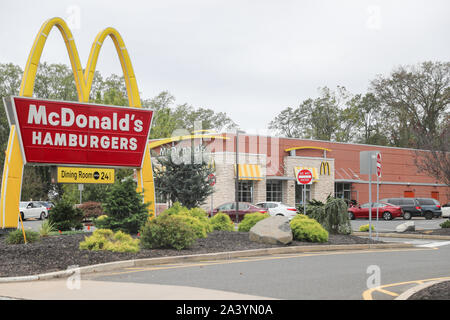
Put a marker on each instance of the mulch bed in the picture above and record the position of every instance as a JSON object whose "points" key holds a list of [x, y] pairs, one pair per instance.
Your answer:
{"points": [[440, 291], [57, 253]]}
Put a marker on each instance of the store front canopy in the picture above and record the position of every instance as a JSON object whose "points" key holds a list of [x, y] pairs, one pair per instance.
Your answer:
{"points": [[249, 172]]}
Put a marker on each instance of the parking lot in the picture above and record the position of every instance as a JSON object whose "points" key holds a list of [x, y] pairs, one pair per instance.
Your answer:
{"points": [[389, 226], [380, 225]]}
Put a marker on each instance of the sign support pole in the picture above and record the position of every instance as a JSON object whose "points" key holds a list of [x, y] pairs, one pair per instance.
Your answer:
{"points": [[378, 207], [370, 197]]}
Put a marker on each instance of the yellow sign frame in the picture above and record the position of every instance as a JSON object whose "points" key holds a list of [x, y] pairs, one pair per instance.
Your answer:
{"points": [[14, 164]]}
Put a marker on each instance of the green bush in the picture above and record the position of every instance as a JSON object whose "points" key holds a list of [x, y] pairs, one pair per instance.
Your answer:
{"points": [[332, 215], [201, 218], [166, 231], [198, 226], [221, 222], [250, 220], [306, 229], [64, 216], [445, 224], [365, 228], [124, 208], [16, 236], [105, 239]]}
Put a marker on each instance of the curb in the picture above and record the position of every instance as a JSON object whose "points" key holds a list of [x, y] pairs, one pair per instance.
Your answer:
{"points": [[408, 293], [201, 257], [403, 235]]}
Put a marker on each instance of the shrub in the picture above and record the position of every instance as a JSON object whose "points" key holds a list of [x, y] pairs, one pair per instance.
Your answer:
{"points": [[124, 208], [201, 217], [445, 224], [166, 231], [105, 239], [306, 229], [250, 220], [198, 226], [337, 220], [47, 227], [91, 209], [332, 215], [365, 228], [221, 222], [64, 216], [16, 236]]}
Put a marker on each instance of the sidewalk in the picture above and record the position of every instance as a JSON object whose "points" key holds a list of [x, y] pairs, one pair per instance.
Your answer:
{"points": [[66, 289]]}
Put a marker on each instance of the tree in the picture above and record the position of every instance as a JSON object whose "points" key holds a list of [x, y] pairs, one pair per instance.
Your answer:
{"points": [[436, 159], [416, 100], [184, 182], [125, 208], [329, 117], [168, 118]]}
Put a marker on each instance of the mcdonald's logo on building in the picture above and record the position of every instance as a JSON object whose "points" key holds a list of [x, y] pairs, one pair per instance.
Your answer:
{"points": [[324, 168]]}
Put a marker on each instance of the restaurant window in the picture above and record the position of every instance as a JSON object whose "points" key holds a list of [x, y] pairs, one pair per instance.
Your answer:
{"points": [[274, 191], [245, 191], [299, 193], [343, 190]]}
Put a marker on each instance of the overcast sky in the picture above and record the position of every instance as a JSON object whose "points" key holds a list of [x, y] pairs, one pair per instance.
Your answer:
{"points": [[250, 59]]}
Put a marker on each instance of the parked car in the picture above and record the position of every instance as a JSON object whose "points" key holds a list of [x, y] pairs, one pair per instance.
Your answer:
{"points": [[278, 209], [386, 211], [410, 206], [47, 204], [417, 207], [230, 209], [30, 209], [431, 208], [446, 210]]}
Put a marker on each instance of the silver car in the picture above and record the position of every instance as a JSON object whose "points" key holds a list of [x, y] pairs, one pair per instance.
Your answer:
{"points": [[31, 209]]}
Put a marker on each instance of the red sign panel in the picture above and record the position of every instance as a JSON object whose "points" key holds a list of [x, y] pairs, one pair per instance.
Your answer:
{"points": [[379, 164], [61, 132], [304, 176]]}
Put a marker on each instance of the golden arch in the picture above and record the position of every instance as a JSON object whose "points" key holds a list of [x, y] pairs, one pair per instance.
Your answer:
{"points": [[13, 167]]}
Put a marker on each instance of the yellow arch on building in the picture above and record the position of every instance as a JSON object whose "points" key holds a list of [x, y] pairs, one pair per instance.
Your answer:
{"points": [[13, 167]]}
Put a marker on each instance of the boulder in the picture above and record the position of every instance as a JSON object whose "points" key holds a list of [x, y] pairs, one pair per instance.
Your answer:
{"points": [[272, 230], [407, 226]]}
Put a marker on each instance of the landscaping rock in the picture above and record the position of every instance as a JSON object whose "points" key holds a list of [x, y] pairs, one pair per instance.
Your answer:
{"points": [[272, 230], [407, 226]]}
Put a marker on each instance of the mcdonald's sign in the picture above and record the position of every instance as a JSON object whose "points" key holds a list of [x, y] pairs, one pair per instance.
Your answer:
{"points": [[15, 159], [324, 168]]}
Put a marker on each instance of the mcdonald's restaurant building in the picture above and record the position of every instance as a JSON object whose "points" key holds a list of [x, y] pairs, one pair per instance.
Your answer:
{"points": [[268, 167]]}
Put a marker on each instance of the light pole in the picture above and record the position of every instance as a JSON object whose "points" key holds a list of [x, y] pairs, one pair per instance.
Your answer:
{"points": [[236, 190]]}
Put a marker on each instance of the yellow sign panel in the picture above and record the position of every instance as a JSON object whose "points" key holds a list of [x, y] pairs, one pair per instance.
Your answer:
{"points": [[84, 175]]}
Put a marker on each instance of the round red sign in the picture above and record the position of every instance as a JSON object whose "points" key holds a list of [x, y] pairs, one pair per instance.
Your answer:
{"points": [[212, 179], [304, 176]]}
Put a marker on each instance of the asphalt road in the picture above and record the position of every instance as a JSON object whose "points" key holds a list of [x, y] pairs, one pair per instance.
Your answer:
{"points": [[312, 276]]}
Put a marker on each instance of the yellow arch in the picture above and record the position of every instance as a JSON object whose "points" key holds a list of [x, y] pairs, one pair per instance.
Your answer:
{"points": [[158, 143], [13, 167], [299, 148]]}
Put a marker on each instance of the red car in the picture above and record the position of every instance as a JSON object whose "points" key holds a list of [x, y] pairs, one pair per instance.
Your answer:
{"points": [[230, 209], [387, 211]]}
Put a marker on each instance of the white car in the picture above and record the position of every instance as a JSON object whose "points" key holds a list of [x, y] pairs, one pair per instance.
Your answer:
{"points": [[445, 212], [31, 209], [278, 209]]}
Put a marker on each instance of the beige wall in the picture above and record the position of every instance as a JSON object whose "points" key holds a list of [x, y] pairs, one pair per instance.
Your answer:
{"points": [[320, 189], [224, 189]]}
